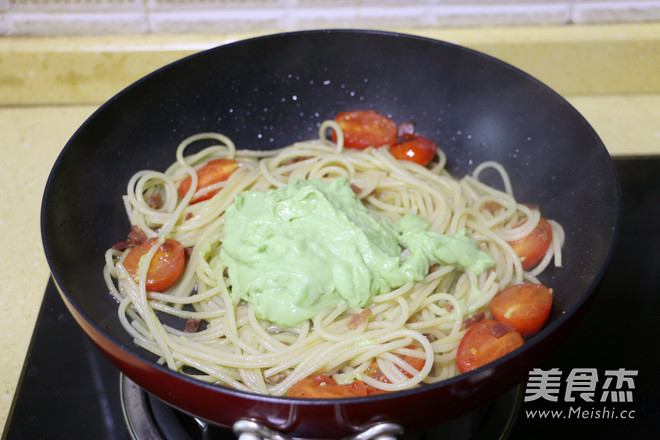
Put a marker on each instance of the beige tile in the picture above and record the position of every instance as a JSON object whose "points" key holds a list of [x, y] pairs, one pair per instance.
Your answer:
{"points": [[608, 59], [32, 139], [627, 124]]}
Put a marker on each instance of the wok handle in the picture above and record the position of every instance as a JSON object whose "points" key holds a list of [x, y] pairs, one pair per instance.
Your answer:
{"points": [[248, 429]]}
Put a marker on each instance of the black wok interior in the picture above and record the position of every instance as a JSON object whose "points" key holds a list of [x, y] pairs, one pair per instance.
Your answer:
{"points": [[271, 91]]}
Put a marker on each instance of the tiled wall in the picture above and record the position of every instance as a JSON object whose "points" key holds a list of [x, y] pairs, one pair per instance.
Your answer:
{"points": [[104, 17]]}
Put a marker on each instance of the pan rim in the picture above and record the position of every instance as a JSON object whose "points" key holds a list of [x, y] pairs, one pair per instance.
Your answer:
{"points": [[529, 345]]}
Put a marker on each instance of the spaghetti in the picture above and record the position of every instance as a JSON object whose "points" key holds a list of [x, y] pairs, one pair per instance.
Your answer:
{"points": [[233, 347]]}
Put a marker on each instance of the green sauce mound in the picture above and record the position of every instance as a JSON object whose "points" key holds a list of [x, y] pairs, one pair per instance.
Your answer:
{"points": [[311, 245]]}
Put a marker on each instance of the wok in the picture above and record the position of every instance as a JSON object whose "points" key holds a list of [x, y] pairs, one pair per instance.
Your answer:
{"points": [[270, 91]]}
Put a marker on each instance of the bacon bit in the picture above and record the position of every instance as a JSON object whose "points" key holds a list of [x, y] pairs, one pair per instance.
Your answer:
{"points": [[275, 379], [430, 337], [491, 206], [188, 252], [357, 190], [135, 238], [155, 201], [357, 319], [500, 329], [406, 129], [449, 307], [192, 325], [472, 320], [189, 216]]}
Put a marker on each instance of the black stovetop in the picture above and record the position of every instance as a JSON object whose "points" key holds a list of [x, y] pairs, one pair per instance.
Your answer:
{"points": [[68, 390]]}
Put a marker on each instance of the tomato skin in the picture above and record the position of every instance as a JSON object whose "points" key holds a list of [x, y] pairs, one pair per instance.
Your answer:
{"points": [[166, 265], [214, 171], [524, 307], [413, 361], [415, 148], [481, 344], [320, 386], [417, 363], [531, 248], [365, 128]]}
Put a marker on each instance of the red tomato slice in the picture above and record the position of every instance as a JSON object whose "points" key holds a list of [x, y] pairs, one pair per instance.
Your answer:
{"points": [[524, 307], [413, 361], [375, 372], [484, 342], [320, 386], [532, 248], [214, 171], [166, 266], [415, 148], [365, 128]]}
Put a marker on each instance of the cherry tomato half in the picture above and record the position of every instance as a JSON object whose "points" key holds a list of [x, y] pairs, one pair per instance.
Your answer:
{"points": [[320, 386], [417, 363], [365, 128], [524, 307], [531, 248], [214, 171], [484, 342], [166, 265], [376, 373], [415, 148]]}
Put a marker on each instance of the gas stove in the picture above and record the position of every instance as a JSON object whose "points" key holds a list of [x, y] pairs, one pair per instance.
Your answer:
{"points": [[600, 383]]}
